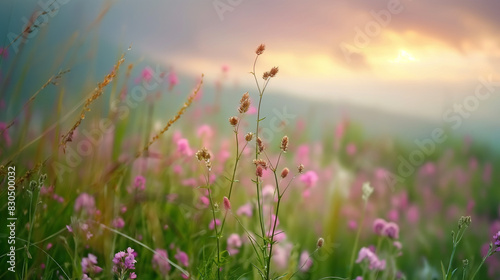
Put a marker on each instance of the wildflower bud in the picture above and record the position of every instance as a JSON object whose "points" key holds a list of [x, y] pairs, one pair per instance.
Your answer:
{"points": [[260, 49], [466, 262], [260, 162], [249, 136], [320, 243], [259, 171], [265, 76], [301, 168], [464, 222], [367, 190], [284, 143], [42, 179], [284, 172], [244, 103], [227, 204], [233, 121], [33, 185], [273, 72], [260, 144]]}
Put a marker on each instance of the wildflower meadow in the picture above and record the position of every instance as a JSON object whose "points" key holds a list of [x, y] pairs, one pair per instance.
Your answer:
{"points": [[118, 164]]}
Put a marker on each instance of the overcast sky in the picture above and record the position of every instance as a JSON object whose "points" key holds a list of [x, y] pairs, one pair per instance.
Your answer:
{"points": [[412, 57]]}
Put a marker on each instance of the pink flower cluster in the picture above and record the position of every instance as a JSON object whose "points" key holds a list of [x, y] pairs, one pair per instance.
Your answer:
{"points": [[160, 263], [373, 260], [233, 244], [496, 241], [140, 183], [310, 178], [49, 192], [383, 228], [89, 265], [85, 202], [124, 261]]}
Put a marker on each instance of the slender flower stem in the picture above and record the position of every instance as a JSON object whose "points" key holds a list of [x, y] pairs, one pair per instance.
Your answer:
{"points": [[354, 248], [261, 93], [451, 259], [482, 262], [238, 156], [236, 161], [275, 222], [215, 225]]}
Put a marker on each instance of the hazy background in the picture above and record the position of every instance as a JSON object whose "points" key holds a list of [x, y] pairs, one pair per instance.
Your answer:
{"points": [[401, 80]]}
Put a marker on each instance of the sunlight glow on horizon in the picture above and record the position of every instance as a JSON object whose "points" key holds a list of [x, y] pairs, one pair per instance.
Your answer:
{"points": [[403, 57]]}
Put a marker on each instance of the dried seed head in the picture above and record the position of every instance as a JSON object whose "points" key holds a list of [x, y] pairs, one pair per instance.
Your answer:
{"points": [[320, 242], [203, 154], [260, 49], [273, 72], [227, 204], [259, 171], [244, 103], [265, 76], [260, 144], [249, 136], [260, 162], [301, 168], [284, 172], [284, 143], [233, 121]]}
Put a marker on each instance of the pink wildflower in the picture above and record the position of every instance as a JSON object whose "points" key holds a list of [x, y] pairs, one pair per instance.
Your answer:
{"points": [[233, 244], [378, 226], [173, 80], [89, 265], [124, 261], [305, 261], [227, 204], [350, 149], [374, 261], [85, 202], [245, 209], [118, 222], [147, 74], [310, 178], [182, 257], [391, 230], [140, 182], [183, 147], [160, 263], [212, 224]]}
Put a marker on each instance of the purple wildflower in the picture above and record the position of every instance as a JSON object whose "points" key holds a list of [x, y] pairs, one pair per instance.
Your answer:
{"points": [[118, 222], [182, 257], [233, 244], [305, 261], [85, 202], [496, 241], [140, 183], [124, 261], [159, 262], [391, 230], [89, 265], [378, 226], [373, 260]]}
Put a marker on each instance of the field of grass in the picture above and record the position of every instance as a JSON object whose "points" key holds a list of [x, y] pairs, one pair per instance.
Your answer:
{"points": [[95, 186]]}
